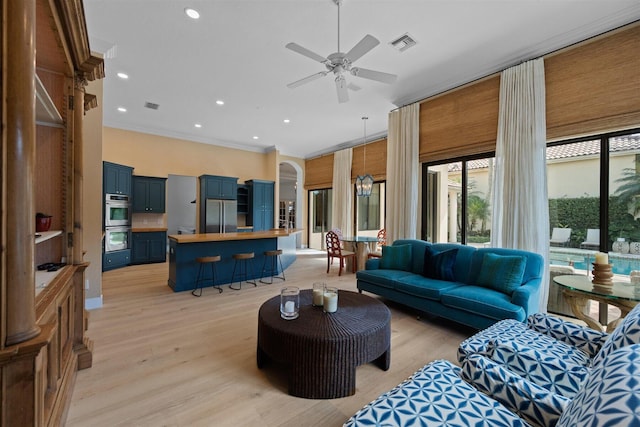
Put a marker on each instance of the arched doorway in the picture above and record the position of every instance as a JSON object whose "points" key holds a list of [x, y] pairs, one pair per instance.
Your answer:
{"points": [[290, 206]]}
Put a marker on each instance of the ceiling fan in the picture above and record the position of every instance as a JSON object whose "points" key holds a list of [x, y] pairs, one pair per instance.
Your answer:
{"points": [[339, 63]]}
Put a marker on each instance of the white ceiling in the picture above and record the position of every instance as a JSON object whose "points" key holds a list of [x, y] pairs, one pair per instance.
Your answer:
{"points": [[236, 52]]}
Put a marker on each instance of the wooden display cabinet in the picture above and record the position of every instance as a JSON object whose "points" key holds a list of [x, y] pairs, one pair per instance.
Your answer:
{"points": [[46, 58]]}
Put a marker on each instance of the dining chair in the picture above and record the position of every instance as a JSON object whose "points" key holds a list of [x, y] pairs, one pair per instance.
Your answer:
{"points": [[382, 241], [334, 250]]}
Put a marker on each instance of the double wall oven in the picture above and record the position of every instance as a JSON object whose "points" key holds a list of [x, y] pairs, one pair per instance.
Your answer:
{"points": [[117, 222]]}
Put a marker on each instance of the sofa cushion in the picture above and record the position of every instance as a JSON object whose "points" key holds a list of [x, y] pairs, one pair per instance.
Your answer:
{"points": [[483, 301], [508, 331], [396, 257], [434, 396], [535, 404], [439, 265], [501, 272], [541, 368], [420, 286], [384, 278], [610, 396]]}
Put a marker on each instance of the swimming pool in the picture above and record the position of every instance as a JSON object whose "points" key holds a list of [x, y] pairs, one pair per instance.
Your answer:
{"points": [[581, 260]]}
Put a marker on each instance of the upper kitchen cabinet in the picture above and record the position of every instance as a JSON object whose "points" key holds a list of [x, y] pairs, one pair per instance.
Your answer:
{"points": [[243, 199], [261, 207], [116, 178], [218, 187], [149, 194]]}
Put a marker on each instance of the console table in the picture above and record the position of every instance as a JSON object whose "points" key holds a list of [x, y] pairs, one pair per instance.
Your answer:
{"points": [[578, 289], [322, 350]]}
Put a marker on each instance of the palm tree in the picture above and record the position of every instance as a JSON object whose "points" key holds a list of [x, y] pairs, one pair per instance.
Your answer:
{"points": [[629, 190], [478, 210]]}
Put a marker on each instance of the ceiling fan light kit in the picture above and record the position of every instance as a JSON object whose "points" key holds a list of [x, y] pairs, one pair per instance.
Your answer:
{"points": [[340, 63]]}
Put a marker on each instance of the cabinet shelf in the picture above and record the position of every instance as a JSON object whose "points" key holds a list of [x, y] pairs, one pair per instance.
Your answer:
{"points": [[46, 111], [43, 236], [44, 278]]}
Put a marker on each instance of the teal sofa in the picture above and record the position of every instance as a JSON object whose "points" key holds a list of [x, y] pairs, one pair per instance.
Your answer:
{"points": [[473, 295]]}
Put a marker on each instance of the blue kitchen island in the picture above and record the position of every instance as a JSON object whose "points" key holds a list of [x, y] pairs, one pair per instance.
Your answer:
{"points": [[185, 248]]}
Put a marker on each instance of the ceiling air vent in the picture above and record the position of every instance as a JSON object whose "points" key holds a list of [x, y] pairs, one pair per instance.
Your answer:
{"points": [[151, 105], [403, 42]]}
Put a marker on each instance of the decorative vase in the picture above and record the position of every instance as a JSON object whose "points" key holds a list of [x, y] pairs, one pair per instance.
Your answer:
{"points": [[602, 275], [621, 247], [43, 222]]}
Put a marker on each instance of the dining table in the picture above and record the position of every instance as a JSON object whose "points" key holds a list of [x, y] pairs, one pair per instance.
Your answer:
{"points": [[360, 245]]}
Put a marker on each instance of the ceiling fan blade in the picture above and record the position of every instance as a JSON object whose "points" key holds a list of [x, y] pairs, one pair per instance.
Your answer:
{"points": [[307, 79], [363, 46], [374, 75], [306, 52], [341, 87]]}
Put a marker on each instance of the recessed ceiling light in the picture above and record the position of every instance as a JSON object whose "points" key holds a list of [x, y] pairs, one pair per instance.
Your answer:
{"points": [[192, 13], [255, 137], [287, 121], [198, 125], [220, 102], [122, 109], [123, 76]]}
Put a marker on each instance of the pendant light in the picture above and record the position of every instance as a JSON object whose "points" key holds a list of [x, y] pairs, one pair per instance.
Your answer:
{"points": [[364, 184]]}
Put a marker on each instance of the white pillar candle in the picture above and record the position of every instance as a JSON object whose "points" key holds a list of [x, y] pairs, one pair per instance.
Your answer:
{"points": [[289, 306], [602, 258], [318, 297], [330, 302]]}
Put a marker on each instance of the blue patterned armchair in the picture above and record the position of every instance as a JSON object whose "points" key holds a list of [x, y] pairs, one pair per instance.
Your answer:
{"points": [[483, 393], [548, 351]]}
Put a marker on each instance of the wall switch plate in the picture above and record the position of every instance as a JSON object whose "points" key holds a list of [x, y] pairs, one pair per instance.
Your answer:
{"points": [[86, 284]]}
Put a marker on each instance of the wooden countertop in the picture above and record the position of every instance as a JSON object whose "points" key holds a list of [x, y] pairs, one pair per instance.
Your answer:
{"points": [[146, 230], [222, 237]]}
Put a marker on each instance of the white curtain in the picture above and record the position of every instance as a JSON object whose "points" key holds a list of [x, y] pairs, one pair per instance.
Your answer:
{"points": [[520, 216], [342, 204], [402, 173]]}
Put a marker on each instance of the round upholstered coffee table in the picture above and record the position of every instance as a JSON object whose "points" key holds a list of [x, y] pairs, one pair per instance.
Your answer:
{"points": [[322, 350]]}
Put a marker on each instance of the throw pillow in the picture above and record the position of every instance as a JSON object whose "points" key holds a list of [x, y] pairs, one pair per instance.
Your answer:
{"points": [[439, 265], [396, 257], [501, 272]]}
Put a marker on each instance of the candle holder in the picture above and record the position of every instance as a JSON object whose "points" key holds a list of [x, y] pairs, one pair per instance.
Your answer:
{"points": [[602, 275], [318, 294], [330, 301], [289, 302]]}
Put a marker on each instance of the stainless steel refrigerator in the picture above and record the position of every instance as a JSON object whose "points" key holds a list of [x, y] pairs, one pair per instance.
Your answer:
{"points": [[221, 216]]}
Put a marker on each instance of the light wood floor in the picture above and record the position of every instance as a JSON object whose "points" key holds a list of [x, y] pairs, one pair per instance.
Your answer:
{"points": [[170, 359]]}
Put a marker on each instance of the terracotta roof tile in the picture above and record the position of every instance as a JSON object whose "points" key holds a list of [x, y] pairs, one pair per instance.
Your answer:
{"points": [[565, 151]]}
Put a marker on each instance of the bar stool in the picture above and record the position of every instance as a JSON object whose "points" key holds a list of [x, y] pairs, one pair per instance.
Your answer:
{"points": [[211, 260], [273, 270], [243, 259]]}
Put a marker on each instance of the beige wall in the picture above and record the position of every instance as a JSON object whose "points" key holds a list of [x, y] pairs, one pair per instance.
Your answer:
{"points": [[92, 196], [154, 155]]}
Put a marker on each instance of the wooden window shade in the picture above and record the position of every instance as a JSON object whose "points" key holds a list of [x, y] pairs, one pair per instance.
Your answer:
{"points": [[460, 123], [319, 172], [376, 164], [594, 87]]}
